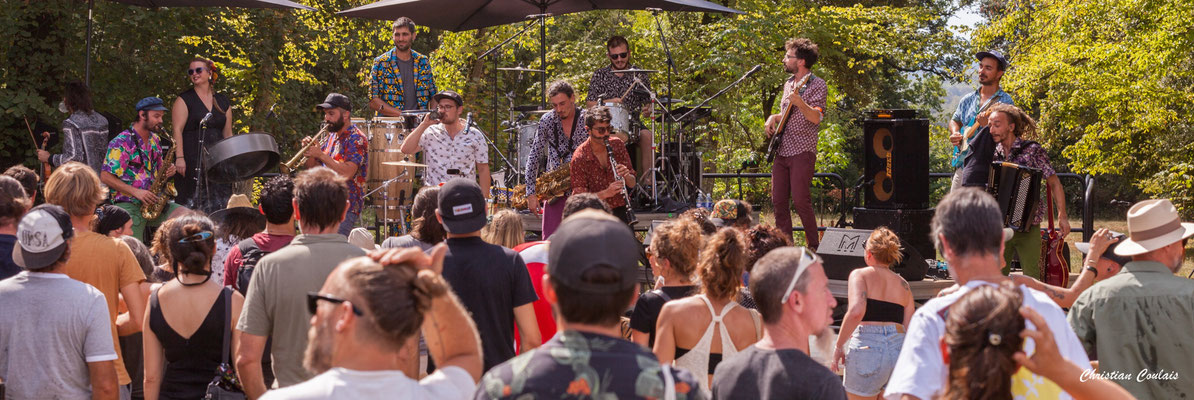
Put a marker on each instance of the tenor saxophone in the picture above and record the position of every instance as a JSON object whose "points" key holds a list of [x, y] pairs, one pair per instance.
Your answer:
{"points": [[299, 159], [161, 186]]}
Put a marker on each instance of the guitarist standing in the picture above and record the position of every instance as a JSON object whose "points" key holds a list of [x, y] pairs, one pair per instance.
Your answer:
{"points": [[991, 65], [798, 123]]}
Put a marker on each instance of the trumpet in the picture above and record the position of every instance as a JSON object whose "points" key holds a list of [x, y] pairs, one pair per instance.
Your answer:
{"points": [[299, 159]]}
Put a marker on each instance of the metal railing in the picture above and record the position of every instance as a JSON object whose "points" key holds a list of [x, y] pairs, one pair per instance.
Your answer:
{"points": [[1087, 182]]}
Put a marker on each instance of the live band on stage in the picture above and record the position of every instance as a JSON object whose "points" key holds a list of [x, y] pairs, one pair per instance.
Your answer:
{"points": [[622, 141]]}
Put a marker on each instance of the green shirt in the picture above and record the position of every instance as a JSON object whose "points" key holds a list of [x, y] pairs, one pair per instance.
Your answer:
{"points": [[1139, 324], [276, 303]]}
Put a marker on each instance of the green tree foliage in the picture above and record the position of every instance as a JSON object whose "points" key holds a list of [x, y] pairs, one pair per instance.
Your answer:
{"points": [[874, 54], [1112, 82]]}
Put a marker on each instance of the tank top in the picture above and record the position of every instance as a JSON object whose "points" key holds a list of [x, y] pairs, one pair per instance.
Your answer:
{"points": [[699, 358], [883, 311], [191, 363]]}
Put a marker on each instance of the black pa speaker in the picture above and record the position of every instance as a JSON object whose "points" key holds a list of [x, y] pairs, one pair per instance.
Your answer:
{"points": [[897, 162], [912, 226], [843, 251]]}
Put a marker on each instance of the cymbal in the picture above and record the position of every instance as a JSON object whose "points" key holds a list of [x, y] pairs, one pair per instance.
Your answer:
{"points": [[648, 71], [520, 69], [404, 164], [539, 112], [668, 100]]}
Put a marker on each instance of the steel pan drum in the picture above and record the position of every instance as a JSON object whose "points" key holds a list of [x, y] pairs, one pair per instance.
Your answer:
{"points": [[241, 157]]}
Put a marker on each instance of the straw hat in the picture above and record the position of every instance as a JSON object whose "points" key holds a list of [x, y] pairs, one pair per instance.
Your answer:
{"points": [[238, 207], [1153, 224]]}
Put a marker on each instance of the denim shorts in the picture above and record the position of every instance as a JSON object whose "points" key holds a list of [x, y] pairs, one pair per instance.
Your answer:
{"points": [[871, 354]]}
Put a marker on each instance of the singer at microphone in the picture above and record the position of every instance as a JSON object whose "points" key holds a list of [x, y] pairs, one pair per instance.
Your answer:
{"points": [[792, 137], [199, 117], [450, 143]]}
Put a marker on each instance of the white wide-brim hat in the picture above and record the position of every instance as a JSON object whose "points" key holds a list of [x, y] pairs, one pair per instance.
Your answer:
{"points": [[1153, 224]]}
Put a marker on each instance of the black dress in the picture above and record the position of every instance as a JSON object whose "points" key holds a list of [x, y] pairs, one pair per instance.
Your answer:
{"points": [[217, 197], [191, 363]]}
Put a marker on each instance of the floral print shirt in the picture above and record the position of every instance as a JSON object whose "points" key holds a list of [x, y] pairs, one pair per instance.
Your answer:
{"points": [[589, 175], [351, 146], [580, 365], [133, 161], [1031, 154], [386, 82]]}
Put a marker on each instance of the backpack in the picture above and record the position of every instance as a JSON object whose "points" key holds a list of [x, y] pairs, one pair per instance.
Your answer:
{"points": [[250, 254]]}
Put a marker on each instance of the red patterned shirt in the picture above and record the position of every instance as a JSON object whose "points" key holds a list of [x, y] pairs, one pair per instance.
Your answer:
{"points": [[351, 146], [590, 176], [800, 134]]}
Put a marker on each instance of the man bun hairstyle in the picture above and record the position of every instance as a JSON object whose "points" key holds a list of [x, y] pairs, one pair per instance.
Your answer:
{"points": [[322, 196], [805, 50], [26, 177], [884, 246], [395, 297], [1025, 124], [721, 264], [192, 243]]}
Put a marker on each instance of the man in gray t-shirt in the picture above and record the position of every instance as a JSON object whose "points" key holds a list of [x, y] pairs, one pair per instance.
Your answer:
{"points": [[55, 339]]}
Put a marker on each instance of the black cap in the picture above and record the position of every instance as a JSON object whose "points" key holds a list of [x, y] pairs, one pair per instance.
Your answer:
{"points": [[591, 239], [448, 94], [111, 218], [335, 100], [992, 53], [461, 206]]}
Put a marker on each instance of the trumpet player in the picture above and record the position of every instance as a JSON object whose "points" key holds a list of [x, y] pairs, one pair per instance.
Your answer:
{"points": [[591, 172], [133, 159], [345, 150]]}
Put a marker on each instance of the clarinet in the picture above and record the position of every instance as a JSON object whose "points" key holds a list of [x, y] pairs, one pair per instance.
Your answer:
{"points": [[613, 165]]}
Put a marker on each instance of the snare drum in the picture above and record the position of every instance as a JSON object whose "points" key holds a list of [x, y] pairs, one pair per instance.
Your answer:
{"points": [[620, 123], [386, 135]]}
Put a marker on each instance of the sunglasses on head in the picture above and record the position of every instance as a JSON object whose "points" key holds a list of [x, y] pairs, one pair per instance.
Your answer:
{"points": [[807, 258], [198, 70], [616, 56], [313, 299]]}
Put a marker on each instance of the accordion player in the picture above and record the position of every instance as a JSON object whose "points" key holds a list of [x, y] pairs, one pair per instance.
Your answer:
{"points": [[1017, 189]]}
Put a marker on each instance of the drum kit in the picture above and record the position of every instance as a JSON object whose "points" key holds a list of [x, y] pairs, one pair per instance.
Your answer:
{"points": [[671, 171]]}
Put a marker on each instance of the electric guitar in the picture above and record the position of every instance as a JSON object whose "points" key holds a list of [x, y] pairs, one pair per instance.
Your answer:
{"points": [[962, 152], [778, 138]]}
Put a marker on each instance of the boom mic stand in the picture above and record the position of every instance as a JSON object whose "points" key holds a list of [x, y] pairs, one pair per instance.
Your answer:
{"points": [[539, 19]]}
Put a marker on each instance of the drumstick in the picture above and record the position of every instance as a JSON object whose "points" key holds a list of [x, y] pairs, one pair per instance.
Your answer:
{"points": [[627, 93]]}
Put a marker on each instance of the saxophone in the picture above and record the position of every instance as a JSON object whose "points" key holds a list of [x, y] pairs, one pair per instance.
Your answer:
{"points": [[548, 186], [162, 186]]}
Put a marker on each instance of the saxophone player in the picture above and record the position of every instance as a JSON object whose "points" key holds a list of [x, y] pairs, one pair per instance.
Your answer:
{"points": [[134, 157], [591, 171], [345, 150]]}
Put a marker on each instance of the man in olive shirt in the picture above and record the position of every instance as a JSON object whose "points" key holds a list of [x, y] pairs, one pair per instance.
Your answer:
{"points": [[1139, 324], [276, 303]]}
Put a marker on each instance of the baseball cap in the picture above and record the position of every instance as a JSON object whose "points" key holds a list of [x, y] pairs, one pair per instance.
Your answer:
{"points": [[448, 94], [461, 206], [335, 100], [151, 104], [1109, 254], [590, 239], [42, 236], [992, 53], [726, 211]]}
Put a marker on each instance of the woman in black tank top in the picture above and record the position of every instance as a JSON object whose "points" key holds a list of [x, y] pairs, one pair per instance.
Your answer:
{"points": [[188, 111]]}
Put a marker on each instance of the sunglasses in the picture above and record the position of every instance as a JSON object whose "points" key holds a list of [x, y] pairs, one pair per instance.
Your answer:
{"points": [[313, 299], [195, 71], [807, 258], [616, 56], [603, 129]]}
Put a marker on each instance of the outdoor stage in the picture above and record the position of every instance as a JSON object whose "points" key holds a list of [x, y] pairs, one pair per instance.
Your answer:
{"points": [[533, 222]]}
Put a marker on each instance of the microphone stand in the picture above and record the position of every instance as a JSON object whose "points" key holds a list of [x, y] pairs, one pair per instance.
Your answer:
{"points": [[496, 86], [671, 64], [199, 197], [508, 166]]}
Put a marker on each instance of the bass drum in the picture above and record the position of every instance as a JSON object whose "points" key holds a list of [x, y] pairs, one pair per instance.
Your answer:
{"points": [[386, 135]]}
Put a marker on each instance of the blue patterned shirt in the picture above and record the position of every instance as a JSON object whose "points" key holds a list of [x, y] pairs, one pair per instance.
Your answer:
{"points": [[386, 80]]}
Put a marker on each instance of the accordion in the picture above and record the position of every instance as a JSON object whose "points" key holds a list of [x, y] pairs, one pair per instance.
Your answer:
{"points": [[1017, 189]]}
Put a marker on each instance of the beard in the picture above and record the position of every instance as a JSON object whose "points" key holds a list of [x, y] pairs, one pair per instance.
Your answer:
{"points": [[318, 357], [337, 125]]}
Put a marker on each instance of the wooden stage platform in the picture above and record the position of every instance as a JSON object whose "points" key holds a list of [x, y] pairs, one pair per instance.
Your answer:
{"points": [[534, 223]]}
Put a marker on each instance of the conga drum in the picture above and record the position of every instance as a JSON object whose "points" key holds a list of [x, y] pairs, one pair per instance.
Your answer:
{"points": [[386, 136]]}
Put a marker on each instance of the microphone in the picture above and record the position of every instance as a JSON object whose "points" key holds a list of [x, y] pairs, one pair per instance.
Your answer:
{"points": [[203, 122], [754, 70]]}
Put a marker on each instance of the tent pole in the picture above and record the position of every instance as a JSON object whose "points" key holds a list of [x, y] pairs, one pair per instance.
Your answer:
{"points": [[87, 60]]}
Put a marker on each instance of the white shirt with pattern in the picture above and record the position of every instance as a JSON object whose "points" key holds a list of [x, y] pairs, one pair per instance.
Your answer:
{"points": [[443, 152]]}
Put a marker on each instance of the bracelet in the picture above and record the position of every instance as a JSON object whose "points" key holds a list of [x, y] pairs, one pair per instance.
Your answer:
{"points": [[1092, 269]]}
